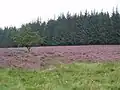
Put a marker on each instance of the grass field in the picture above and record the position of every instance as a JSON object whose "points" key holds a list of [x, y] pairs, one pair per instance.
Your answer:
{"points": [[77, 76]]}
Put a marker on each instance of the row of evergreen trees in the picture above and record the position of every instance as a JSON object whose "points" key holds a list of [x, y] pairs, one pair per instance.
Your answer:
{"points": [[78, 29]]}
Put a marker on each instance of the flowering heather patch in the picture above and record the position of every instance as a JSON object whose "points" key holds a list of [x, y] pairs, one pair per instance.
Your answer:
{"points": [[52, 55]]}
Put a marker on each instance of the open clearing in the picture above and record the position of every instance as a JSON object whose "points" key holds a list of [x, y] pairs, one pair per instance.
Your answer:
{"points": [[94, 67], [82, 76], [46, 56]]}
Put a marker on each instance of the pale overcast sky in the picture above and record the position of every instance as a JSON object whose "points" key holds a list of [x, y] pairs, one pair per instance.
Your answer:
{"points": [[17, 12]]}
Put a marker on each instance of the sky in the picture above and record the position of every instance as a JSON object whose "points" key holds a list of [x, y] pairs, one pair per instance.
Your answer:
{"points": [[18, 12]]}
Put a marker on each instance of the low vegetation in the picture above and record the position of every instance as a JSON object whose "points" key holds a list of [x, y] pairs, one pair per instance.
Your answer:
{"points": [[77, 76]]}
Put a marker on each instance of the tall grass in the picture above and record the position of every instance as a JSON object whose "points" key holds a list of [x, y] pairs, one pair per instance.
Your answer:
{"points": [[77, 76]]}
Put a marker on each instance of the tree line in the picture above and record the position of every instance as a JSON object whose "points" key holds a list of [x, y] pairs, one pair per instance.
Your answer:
{"points": [[89, 28]]}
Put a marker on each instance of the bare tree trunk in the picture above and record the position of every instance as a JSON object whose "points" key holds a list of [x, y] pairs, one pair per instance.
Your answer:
{"points": [[29, 49]]}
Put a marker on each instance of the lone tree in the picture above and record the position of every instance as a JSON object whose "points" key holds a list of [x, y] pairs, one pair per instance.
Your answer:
{"points": [[27, 38]]}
